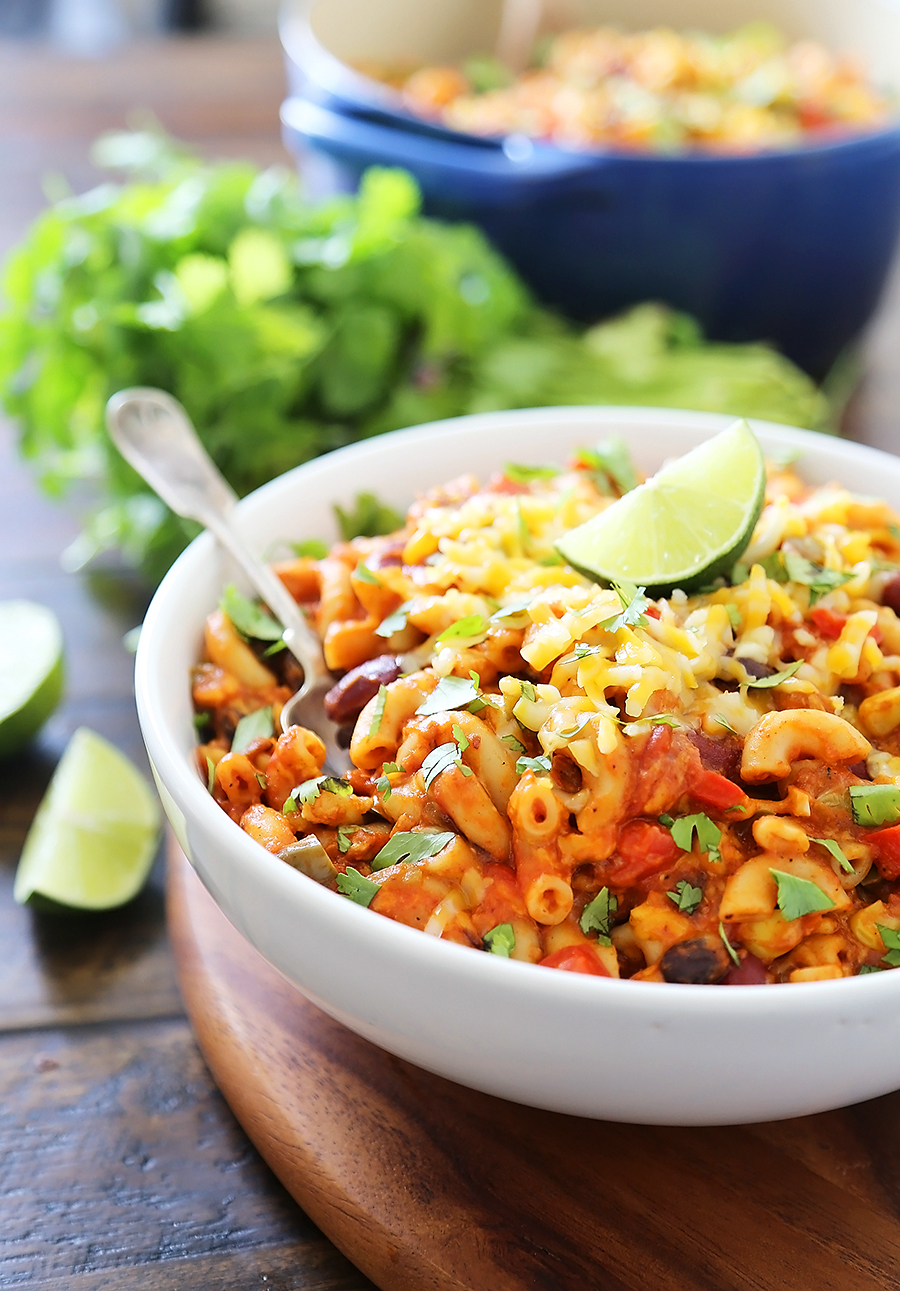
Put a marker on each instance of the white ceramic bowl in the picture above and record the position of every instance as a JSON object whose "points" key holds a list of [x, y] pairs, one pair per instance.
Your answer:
{"points": [[652, 1053]]}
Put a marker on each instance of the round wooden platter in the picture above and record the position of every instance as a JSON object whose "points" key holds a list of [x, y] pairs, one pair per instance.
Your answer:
{"points": [[427, 1186]]}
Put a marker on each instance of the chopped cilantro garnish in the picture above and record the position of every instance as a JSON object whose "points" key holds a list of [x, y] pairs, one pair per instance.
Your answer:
{"points": [[776, 678], [365, 575], [609, 460], [248, 616], [441, 759], [392, 768], [409, 846], [309, 790], [686, 896], [597, 915], [663, 719], [501, 940], [368, 518], [891, 939], [582, 650], [818, 579], [875, 804], [512, 743], [383, 784], [735, 957], [527, 691], [734, 616], [723, 721], [201, 720], [355, 886], [251, 727], [472, 628], [313, 547], [378, 710], [870, 968], [449, 693], [261, 780], [708, 833], [514, 615], [395, 622], [634, 602], [460, 737], [275, 648], [582, 720], [541, 763], [837, 852], [518, 474], [344, 835], [210, 774], [797, 897]]}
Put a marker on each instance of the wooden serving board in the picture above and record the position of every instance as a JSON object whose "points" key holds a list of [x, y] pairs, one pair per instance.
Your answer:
{"points": [[427, 1186]]}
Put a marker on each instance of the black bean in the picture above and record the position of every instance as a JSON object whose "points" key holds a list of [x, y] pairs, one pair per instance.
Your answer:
{"points": [[699, 962], [753, 668], [890, 593], [346, 700], [565, 772]]}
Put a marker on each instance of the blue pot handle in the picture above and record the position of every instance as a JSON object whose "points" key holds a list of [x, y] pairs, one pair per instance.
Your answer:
{"points": [[517, 167]]}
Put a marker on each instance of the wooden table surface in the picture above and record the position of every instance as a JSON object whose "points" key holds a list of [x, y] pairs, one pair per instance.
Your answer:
{"points": [[120, 1164]]}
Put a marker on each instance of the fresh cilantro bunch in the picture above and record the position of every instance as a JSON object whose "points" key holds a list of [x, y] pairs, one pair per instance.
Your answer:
{"points": [[288, 328]]}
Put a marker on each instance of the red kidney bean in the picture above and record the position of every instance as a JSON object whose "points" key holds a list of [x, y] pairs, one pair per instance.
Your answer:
{"points": [[699, 962], [890, 593], [723, 756], [346, 700], [751, 972]]}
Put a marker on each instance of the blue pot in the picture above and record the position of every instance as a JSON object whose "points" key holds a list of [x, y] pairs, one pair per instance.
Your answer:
{"points": [[792, 247]]}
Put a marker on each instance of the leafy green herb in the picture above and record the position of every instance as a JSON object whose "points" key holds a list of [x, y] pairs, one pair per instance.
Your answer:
{"points": [[818, 579], [527, 691], [597, 916], [354, 885], [686, 897], [776, 678], [582, 651], [528, 474], [610, 461], [252, 727], [392, 768], [210, 774], [501, 940], [395, 621], [248, 616], [668, 821], [409, 846], [581, 721], [471, 629], [723, 721], [378, 710], [797, 897], [485, 73], [541, 763], [309, 790], [732, 953], [512, 743], [634, 602], [837, 852], [275, 648], [663, 719], [875, 804], [201, 721], [891, 939], [708, 833], [315, 548], [344, 837], [513, 616], [383, 784], [734, 616], [870, 968], [367, 518], [441, 759], [261, 780], [449, 693], [460, 737], [365, 575]]}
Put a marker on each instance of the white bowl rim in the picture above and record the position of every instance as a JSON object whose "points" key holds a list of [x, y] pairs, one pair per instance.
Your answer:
{"points": [[811, 999]]}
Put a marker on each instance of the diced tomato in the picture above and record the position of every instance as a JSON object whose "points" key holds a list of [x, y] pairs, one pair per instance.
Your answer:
{"points": [[887, 843], [645, 848], [501, 483], [717, 791], [830, 624], [653, 612], [576, 959]]}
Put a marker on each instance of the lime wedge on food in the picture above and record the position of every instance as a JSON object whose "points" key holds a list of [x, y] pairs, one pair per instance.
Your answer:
{"points": [[685, 526], [94, 837], [31, 671]]}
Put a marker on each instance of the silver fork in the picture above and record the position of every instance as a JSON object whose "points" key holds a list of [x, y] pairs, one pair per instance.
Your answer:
{"points": [[155, 435]]}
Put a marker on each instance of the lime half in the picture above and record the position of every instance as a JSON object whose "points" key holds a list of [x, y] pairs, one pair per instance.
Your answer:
{"points": [[31, 671], [685, 526], [94, 837]]}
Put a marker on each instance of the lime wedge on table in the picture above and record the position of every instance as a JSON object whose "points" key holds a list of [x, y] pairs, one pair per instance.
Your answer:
{"points": [[685, 526], [94, 837], [31, 671]]}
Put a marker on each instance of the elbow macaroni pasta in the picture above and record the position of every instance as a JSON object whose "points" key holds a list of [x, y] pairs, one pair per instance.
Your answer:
{"points": [[709, 792]]}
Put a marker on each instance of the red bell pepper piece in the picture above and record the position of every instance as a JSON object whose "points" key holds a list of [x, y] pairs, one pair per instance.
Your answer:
{"points": [[829, 623], [887, 843], [717, 791], [576, 959], [645, 848]]}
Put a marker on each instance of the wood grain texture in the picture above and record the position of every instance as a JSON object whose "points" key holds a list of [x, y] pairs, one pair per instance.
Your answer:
{"points": [[427, 1186]]}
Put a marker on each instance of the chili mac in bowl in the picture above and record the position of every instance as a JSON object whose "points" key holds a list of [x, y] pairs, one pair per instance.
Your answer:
{"points": [[637, 1037]]}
